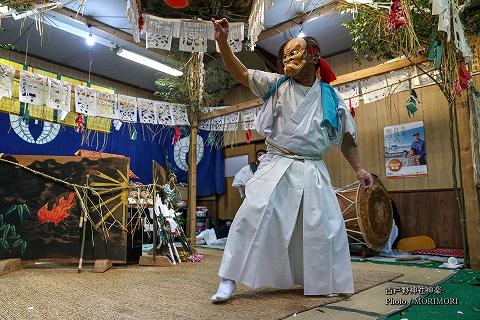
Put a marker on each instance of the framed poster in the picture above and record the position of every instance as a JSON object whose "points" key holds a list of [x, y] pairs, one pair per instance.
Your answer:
{"points": [[405, 150]]}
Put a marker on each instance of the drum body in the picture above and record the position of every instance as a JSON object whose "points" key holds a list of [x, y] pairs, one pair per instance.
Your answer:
{"points": [[368, 214]]}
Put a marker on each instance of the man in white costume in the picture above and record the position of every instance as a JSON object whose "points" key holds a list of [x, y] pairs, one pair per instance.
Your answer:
{"points": [[289, 229], [246, 173]]}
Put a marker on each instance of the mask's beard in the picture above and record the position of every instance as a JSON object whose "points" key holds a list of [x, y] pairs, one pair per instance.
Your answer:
{"points": [[294, 64]]}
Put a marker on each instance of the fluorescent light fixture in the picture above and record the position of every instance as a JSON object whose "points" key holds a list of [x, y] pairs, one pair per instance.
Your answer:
{"points": [[90, 40], [148, 62], [301, 34]]}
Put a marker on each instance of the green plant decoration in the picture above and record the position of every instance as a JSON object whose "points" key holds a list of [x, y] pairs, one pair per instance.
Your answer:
{"points": [[10, 240]]}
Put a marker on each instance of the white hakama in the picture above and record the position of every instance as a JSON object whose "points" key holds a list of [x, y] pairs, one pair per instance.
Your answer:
{"points": [[290, 229]]}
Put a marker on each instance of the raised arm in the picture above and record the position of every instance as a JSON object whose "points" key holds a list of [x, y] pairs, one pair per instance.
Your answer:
{"points": [[233, 65], [350, 152]]}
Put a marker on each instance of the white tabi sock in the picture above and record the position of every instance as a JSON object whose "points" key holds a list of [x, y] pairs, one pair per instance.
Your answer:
{"points": [[225, 290]]}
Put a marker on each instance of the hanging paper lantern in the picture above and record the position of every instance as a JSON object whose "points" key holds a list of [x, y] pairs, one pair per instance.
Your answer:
{"points": [[396, 16], [176, 4]]}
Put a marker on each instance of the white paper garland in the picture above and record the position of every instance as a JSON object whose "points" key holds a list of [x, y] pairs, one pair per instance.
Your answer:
{"points": [[7, 75], [59, 95], [85, 101], [32, 88], [126, 108]]}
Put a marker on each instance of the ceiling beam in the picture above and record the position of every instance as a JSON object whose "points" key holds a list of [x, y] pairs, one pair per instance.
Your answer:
{"points": [[382, 68], [298, 20], [111, 31]]}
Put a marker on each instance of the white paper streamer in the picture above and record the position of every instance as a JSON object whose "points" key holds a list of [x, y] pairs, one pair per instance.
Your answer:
{"points": [[164, 114], [32, 88], [7, 75], [374, 88], [59, 95], [147, 111], [86, 100], [179, 114], [126, 108], [106, 102]]}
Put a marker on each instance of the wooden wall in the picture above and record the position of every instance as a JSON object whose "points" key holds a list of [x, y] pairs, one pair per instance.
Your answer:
{"points": [[37, 63], [426, 205]]}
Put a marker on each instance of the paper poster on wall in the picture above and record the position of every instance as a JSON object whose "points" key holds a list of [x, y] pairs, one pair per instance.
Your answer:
{"points": [[405, 150]]}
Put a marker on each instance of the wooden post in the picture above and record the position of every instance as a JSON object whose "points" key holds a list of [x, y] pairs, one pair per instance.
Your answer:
{"points": [[192, 186], [469, 189]]}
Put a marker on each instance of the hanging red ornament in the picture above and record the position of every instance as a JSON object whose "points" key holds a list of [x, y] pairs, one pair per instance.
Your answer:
{"points": [[464, 77], [79, 123], [248, 135], [352, 110], [140, 22], [396, 16], [176, 4], [176, 136]]}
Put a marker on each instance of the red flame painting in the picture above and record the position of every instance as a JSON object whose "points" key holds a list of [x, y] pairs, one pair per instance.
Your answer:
{"points": [[176, 4], [59, 210]]}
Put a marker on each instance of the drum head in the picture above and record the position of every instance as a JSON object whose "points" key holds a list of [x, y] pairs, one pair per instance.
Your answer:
{"points": [[375, 214]]}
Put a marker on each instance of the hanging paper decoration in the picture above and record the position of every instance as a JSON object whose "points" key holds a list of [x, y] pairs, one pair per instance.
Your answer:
{"points": [[256, 22], [176, 136], [164, 114], [205, 124], [398, 81], [235, 36], [59, 95], [132, 14], [217, 123], [374, 89], [247, 118], [85, 100], [106, 102], [179, 114], [412, 104], [7, 75], [248, 135], [79, 125], [126, 108], [194, 35], [159, 32], [231, 122], [32, 88], [176, 4], [140, 22], [435, 53], [147, 111], [350, 93], [396, 16]]}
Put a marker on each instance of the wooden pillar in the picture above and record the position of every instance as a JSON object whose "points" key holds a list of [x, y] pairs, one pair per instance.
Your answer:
{"points": [[469, 189], [192, 186]]}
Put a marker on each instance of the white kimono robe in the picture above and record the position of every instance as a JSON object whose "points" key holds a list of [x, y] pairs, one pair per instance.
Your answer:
{"points": [[241, 178], [290, 229]]}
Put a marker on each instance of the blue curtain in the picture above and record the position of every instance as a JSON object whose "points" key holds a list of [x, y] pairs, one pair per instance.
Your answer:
{"points": [[153, 142]]}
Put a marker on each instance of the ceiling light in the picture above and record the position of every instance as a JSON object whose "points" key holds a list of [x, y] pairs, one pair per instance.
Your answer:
{"points": [[90, 40], [301, 34], [148, 62]]}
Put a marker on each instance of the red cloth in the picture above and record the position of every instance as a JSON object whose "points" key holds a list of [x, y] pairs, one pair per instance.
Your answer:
{"points": [[457, 253], [396, 16]]}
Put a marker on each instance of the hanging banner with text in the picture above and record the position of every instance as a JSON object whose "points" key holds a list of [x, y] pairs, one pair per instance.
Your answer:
{"points": [[405, 150]]}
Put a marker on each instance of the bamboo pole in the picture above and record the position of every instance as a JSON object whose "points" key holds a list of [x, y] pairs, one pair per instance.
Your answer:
{"points": [[470, 197], [192, 186]]}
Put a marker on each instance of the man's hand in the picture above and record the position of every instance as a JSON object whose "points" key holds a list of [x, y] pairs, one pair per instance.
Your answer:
{"points": [[221, 29], [365, 178]]}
